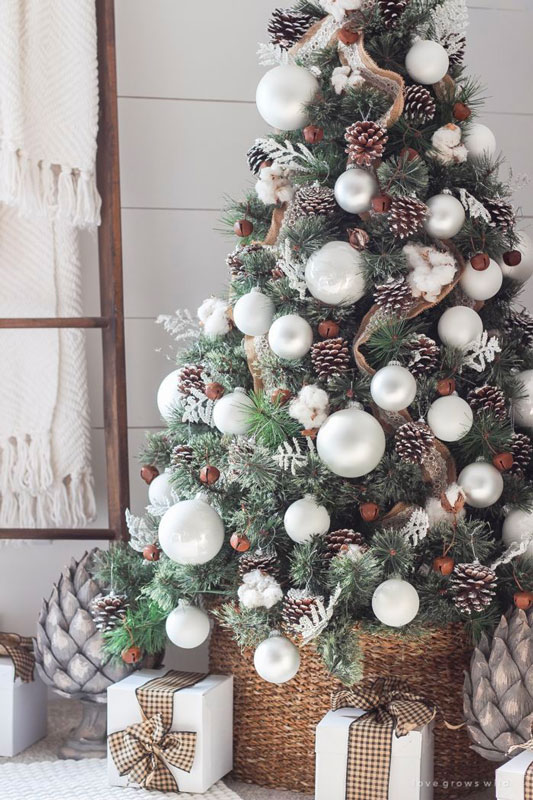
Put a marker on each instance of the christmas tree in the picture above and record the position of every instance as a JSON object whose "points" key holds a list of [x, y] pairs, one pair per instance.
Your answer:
{"points": [[347, 435]]}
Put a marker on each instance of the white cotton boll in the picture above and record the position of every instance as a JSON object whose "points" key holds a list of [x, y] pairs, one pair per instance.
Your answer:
{"points": [[338, 8], [339, 79], [435, 512], [431, 270], [259, 590], [273, 186], [310, 407], [213, 314], [447, 145]]}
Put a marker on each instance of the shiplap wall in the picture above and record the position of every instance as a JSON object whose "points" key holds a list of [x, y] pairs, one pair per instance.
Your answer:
{"points": [[186, 77]]}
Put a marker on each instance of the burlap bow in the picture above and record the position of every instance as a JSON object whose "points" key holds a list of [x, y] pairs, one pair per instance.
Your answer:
{"points": [[20, 650]]}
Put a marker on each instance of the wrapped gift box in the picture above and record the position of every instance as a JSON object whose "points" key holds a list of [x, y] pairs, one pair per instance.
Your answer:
{"points": [[411, 770], [510, 777], [23, 710], [205, 709]]}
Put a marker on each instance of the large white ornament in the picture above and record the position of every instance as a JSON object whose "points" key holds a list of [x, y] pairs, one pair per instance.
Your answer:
{"points": [[168, 395], [277, 659], [354, 190], [450, 418], [334, 274], [305, 518], [481, 285], [459, 326], [482, 484], [446, 216], [160, 492], [427, 62], [290, 337], [187, 626], [523, 271], [393, 388], [395, 603], [480, 142], [283, 93], [351, 443], [523, 407], [231, 413], [191, 532], [517, 525], [253, 312]]}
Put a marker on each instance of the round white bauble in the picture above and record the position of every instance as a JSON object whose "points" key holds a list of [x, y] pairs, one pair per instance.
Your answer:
{"points": [[283, 93], [480, 141], [290, 337], [446, 216], [277, 659], [427, 61], [168, 395], [523, 407], [393, 388], [395, 602], [231, 413], [253, 312], [160, 492], [191, 532], [351, 443], [334, 274], [482, 484], [305, 518], [187, 626], [354, 190], [481, 285], [450, 418], [459, 326], [524, 270], [516, 525]]}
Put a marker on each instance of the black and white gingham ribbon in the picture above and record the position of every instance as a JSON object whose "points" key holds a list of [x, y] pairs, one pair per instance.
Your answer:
{"points": [[20, 650]]}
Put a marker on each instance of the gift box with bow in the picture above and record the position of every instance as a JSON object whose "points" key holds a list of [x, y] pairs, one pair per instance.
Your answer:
{"points": [[23, 696]]}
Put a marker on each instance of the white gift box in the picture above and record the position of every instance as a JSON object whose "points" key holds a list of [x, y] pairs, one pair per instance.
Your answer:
{"points": [[411, 769], [205, 709], [23, 710], [510, 777]]}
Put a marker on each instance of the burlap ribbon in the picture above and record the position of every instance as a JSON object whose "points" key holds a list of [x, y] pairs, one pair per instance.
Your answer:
{"points": [[20, 650]]}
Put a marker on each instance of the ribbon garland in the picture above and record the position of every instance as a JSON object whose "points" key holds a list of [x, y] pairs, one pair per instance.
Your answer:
{"points": [[20, 650]]}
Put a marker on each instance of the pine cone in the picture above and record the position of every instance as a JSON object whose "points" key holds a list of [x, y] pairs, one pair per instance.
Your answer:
{"points": [[394, 297], [235, 260], [457, 57], [522, 450], [391, 11], [520, 322], [287, 27], [419, 105], [366, 142], [407, 215], [424, 355], [330, 357], [311, 201], [107, 610], [490, 399], [338, 541], [181, 455], [501, 212], [297, 603], [256, 156], [258, 560], [190, 379], [413, 442], [474, 587]]}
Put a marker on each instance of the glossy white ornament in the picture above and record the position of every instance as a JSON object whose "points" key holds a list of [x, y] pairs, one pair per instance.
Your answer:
{"points": [[482, 483], [393, 388], [334, 274], [191, 532], [516, 525], [480, 141], [160, 492], [231, 413], [168, 395], [523, 407], [351, 443], [277, 659], [450, 418], [282, 94], [523, 271], [290, 337], [354, 190], [305, 518], [446, 216], [253, 313], [481, 285], [427, 62], [395, 603], [459, 326], [187, 626]]}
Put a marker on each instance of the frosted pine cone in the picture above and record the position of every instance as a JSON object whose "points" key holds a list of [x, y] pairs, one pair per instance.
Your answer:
{"points": [[413, 442], [490, 399], [520, 322], [459, 49], [474, 587], [419, 105], [297, 603], [235, 260], [394, 297], [311, 201], [256, 156], [330, 357], [407, 215], [190, 378], [366, 142], [501, 212], [181, 455], [258, 560], [424, 355], [287, 27], [391, 11], [522, 450], [108, 610], [342, 540]]}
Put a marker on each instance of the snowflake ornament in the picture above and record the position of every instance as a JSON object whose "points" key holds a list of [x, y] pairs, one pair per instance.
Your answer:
{"points": [[417, 527], [142, 531], [197, 407], [475, 209], [290, 457], [481, 351], [311, 627]]}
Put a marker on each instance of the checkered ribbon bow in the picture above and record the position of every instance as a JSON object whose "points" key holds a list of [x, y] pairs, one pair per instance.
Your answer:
{"points": [[20, 650], [528, 777]]}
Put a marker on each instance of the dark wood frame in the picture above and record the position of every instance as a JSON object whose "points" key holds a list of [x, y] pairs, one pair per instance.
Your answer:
{"points": [[111, 320]]}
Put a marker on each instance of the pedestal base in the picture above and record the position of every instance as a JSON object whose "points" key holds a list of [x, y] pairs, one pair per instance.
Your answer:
{"points": [[89, 738]]}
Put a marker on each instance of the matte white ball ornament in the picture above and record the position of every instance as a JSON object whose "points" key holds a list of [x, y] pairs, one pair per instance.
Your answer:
{"points": [[450, 418], [334, 274], [459, 326], [393, 388], [482, 484], [481, 285], [523, 271], [290, 337], [305, 518], [395, 603], [480, 142], [160, 492], [351, 443], [191, 532], [187, 626], [277, 659], [446, 216], [427, 62], [231, 413], [518, 524], [253, 313], [283, 93], [523, 407], [354, 190], [168, 395]]}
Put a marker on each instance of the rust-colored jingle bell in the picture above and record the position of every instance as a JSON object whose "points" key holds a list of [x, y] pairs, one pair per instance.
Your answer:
{"points": [[512, 258], [446, 386], [131, 655], [461, 112], [410, 153], [151, 552], [313, 134], [243, 228], [348, 36], [523, 600], [381, 203], [328, 329], [503, 461], [240, 542], [444, 565], [281, 396], [480, 262], [209, 474], [214, 390], [369, 511], [149, 473]]}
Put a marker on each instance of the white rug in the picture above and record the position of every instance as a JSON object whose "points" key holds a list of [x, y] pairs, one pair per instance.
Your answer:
{"points": [[82, 780]]}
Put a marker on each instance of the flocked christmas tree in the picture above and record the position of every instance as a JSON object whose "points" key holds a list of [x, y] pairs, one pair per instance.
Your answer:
{"points": [[348, 432]]}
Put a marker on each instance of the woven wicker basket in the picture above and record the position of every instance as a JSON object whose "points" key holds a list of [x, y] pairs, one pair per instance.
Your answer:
{"points": [[275, 725]]}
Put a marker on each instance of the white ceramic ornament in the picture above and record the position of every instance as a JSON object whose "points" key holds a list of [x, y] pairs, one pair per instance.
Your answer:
{"points": [[354, 190], [395, 603], [459, 326], [523, 407], [160, 492], [393, 388], [481, 284], [427, 62], [482, 484], [187, 626], [517, 525], [480, 142], [277, 659], [305, 518], [523, 271], [450, 418], [351, 443], [231, 413], [446, 216], [290, 337], [168, 395], [191, 532], [334, 274], [253, 312], [283, 93]]}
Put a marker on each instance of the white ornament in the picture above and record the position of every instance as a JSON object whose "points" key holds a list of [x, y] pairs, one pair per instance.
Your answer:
{"points": [[259, 590], [427, 62], [459, 326], [517, 527], [447, 145], [523, 407], [277, 659], [187, 626], [310, 406], [305, 518], [282, 95], [481, 285], [168, 396], [351, 443], [273, 186], [446, 216], [334, 274], [231, 413], [290, 337], [214, 317], [354, 190], [480, 142], [253, 312], [524, 270], [393, 388], [395, 603], [160, 492], [191, 532], [431, 270], [482, 484], [450, 418]]}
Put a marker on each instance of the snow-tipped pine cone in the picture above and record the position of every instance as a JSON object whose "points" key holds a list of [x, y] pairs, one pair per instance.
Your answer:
{"points": [[522, 450], [330, 357], [264, 562], [287, 27], [343, 539], [488, 399], [413, 442], [181, 455], [424, 355], [190, 378], [473, 586], [391, 11], [407, 216], [311, 201], [297, 603], [108, 610], [502, 214], [366, 142], [419, 106], [394, 297]]}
